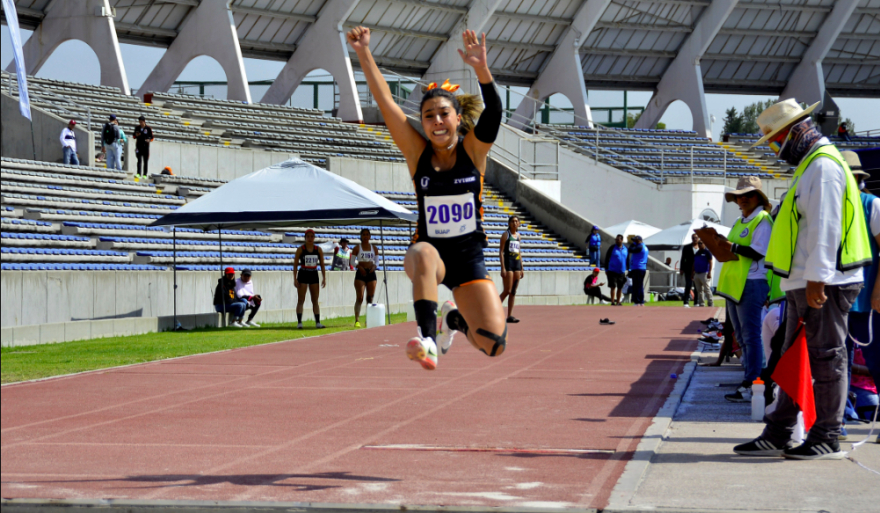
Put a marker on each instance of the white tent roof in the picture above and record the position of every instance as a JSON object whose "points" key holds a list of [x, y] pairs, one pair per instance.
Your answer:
{"points": [[632, 227], [678, 235], [292, 192]]}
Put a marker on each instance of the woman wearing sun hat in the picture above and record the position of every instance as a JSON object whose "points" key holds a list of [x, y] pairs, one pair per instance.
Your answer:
{"points": [[818, 245], [743, 282]]}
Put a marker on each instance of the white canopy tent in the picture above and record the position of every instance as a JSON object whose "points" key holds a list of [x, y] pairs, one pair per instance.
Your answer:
{"points": [[679, 235], [290, 193], [632, 227]]}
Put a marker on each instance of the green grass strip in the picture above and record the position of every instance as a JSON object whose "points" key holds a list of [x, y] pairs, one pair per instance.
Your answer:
{"points": [[45, 360]]}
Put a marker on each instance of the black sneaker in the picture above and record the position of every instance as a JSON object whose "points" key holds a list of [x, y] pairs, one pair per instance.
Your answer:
{"points": [[760, 447], [710, 320], [815, 451], [743, 394]]}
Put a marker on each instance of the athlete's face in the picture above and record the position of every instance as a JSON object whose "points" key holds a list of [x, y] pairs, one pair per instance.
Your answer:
{"points": [[440, 121], [513, 224], [365, 236], [310, 237]]}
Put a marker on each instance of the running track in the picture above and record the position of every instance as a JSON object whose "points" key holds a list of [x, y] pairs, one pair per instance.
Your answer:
{"points": [[294, 421]]}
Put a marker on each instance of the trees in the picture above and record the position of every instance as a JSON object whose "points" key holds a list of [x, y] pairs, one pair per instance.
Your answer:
{"points": [[733, 122], [632, 118]]}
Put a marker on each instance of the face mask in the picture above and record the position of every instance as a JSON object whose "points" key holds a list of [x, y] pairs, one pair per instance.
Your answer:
{"points": [[861, 186], [778, 147]]}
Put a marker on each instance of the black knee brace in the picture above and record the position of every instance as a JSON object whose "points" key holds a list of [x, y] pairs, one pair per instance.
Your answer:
{"points": [[514, 287], [499, 341]]}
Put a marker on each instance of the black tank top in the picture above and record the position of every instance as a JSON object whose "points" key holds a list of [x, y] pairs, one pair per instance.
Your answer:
{"points": [[308, 260], [450, 202], [511, 247]]}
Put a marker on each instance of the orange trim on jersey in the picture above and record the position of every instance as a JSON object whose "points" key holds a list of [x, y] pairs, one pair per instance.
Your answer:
{"points": [[465, 284]]}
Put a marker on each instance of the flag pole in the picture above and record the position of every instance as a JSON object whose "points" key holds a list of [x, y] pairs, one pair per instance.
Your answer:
{"points": [[33, 140], [384, 274]]}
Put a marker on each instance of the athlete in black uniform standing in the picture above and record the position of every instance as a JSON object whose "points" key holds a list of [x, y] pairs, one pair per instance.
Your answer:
{"points": [[511, 264], [308, 258], [447, 170]]}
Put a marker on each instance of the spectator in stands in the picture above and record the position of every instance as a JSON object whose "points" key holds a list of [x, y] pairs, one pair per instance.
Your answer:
{"points": [[616, 267], [668, 261], [843, 132], [341, 257], [111, 143], [743, 282], [68, 144], [143, 137], [225, 301], [703, 275], [244, 290], [819, 251], [638, 265], [594, 243], [591, 287], [686, 267]]}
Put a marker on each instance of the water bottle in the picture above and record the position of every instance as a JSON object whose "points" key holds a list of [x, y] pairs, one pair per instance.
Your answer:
{"points": [[758, 400]]}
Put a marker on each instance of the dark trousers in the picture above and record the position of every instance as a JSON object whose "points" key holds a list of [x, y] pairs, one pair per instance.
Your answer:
{"points": [[254, 309], [638, 286], [826, 333], [143, 154], [596, 293], [688, 285]]}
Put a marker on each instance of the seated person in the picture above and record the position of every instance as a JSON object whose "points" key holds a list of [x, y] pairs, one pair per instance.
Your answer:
{"points": [[591, 287], [225, 300], [863, 387], [244, 290], [341, 257]]}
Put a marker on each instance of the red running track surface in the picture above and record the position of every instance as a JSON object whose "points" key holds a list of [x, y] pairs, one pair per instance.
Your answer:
{"points": [[550, 423]]}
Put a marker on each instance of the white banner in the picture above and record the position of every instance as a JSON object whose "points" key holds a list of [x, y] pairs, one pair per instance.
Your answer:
{"points": [[24, 102]]}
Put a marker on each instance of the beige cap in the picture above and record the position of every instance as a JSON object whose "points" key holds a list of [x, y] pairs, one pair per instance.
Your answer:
{"points": [[745, 185], [779, 115], [855, 165]]}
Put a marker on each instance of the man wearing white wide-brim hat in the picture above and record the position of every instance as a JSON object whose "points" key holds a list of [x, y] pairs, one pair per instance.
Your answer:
{"points": [[818, 245]]}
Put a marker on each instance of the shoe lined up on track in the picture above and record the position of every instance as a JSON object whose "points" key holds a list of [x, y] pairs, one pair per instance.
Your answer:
{"points": [[445, 334], [761, 447], [422, 350], [815, 451]]}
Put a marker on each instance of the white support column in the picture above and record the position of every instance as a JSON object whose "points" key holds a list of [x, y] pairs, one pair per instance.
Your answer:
{"points": [[88, 21], [807, 81], [683, 79], [208, 30], [323, 46], [563, 73]]}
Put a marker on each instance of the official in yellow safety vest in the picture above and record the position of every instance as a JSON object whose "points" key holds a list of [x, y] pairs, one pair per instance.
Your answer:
{"points": [[819, 245], [743, 282]]}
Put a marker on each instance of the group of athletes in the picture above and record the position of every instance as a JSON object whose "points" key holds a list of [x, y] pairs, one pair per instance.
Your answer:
{"points": [[447, 166]]}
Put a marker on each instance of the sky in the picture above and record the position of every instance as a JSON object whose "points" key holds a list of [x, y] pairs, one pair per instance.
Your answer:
{"points": [[74, 61]]}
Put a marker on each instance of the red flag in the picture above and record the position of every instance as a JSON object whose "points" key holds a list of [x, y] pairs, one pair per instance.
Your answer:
{"points": [[794, 377]]}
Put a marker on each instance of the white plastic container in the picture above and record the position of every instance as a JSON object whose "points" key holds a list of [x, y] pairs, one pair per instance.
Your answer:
{"points": [[375, 315], [758, 400]]}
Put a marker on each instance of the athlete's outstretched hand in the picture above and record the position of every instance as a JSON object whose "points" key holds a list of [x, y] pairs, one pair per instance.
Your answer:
{"points": [[474, 53], [359, 38]]}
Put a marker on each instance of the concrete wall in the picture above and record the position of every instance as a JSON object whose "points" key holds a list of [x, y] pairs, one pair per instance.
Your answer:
{"points": [[57, 306], [16, 134], [204, 161], [376, 176]]}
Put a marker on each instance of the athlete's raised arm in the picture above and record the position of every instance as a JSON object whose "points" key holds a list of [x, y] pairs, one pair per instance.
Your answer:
{"points": [[410, 142], [479, 141]]}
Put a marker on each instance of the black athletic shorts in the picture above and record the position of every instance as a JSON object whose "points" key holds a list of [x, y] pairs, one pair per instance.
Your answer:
{"points": [[513, 264], [366, 278], [464, 263], [307, 276], [615, 280]]}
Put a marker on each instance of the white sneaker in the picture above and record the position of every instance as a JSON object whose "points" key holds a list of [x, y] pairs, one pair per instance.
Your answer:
{"points": [[604, 302], [422, 350], [319, 326], [252, 324], [687, 306], [237, 324], [444, 334], [299, 325]]}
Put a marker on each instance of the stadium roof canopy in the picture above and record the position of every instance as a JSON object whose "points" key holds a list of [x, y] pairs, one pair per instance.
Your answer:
{"points": [[749, 47]]}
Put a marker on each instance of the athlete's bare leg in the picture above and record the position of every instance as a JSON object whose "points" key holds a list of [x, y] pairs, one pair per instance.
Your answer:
{"points": [[477, 304], [359, 290], [425, 269]]}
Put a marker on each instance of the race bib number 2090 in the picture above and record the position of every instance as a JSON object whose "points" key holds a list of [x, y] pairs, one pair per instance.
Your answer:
{"points": [[450, 216]]}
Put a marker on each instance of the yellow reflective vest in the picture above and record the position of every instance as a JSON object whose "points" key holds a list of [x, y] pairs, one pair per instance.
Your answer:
{"points": [[733, 276]]}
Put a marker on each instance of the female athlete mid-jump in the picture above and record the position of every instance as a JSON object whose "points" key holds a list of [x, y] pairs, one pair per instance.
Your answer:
{"points": [[447, 170]]}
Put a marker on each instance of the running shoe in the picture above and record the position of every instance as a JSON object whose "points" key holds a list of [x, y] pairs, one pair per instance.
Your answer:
{"points": [[743, 394], [687, 305], [761, 447], [445, 334], [299, 325], [422, 350], [236, 324], [357, 324], [252, 324], [815, 451], [710, 320], [513, 320], [319, 326]]}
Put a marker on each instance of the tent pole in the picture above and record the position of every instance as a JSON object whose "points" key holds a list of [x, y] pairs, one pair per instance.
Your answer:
{"points": [[384, 274], [174, 255], [220, 240]]}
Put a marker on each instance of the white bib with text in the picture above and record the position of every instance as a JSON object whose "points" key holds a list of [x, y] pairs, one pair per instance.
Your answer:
{"points": [[450, 216]]}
